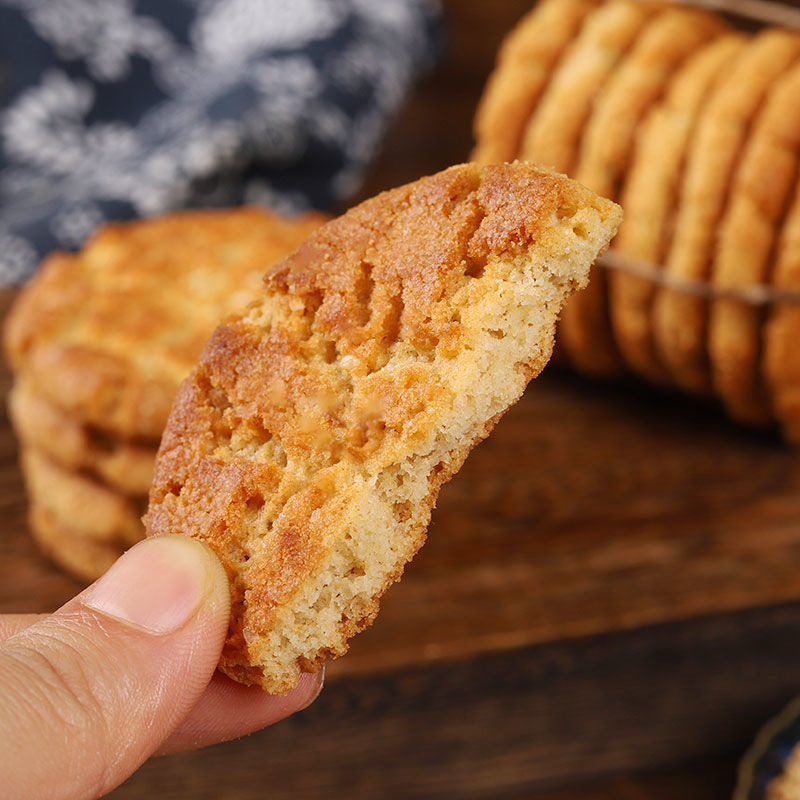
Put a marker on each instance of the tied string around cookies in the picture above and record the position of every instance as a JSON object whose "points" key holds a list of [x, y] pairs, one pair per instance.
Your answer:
{"points": [[754, 295], [763, 12]]}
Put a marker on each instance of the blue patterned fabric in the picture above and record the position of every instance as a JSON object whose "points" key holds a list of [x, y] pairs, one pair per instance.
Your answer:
{"points": [[112, 109], [767, 757]]}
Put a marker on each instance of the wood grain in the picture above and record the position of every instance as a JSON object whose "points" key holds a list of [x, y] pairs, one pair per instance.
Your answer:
{"points": [[592, 509], [562, 715]]}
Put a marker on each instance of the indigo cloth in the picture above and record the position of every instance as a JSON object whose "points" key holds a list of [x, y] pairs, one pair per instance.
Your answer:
{"points": [[111, 109]]}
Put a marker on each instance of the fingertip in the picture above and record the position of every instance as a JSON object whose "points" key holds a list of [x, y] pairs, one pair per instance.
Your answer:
{"points": [[102, 682], [160, 584]]}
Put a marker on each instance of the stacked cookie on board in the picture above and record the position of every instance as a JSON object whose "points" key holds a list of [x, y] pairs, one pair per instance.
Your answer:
{"points": [[694, 128], [99, 342]]}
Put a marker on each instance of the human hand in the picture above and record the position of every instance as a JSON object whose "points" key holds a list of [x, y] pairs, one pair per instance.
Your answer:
{"points": [[123, 671]]}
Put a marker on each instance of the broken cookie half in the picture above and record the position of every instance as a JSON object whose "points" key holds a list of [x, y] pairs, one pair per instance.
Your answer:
{"points": [[308, 446]]}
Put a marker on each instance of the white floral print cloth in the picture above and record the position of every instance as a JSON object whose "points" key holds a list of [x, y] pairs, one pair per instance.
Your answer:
{"points": [[111, 109]]}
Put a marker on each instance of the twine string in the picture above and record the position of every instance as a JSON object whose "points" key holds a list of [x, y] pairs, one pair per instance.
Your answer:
{"points": [[767, 12], [755, 295]]}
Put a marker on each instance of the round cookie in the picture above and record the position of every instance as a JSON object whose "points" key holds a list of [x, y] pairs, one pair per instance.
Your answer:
{"points": [[79, 503], [680, 318], [109, 333], [525, 63], [85, 558], [649, 196], [309, 444], [125, 466], [605, 151], [553, 132], [762, 189], [781, 367]]}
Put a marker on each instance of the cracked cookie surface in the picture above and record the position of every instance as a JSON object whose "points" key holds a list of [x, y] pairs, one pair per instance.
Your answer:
{"points": [[308, 445]]}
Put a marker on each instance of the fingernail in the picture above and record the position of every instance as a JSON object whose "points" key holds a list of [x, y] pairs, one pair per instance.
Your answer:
{"points": [[158, 585], [318, 679]]}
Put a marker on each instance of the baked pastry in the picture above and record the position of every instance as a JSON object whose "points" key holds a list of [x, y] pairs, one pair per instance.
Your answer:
{"points": [[691, 126], [553, 133], [100, 341], [525, 63], [649, 197], [762, 190], [309, 444], [638, 81], [679, 317], [79, 503], [126, 466], [108, 334], [80, 555]]}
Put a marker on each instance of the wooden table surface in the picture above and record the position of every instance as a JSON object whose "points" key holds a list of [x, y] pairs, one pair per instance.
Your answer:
{"points": [[607, 606]]}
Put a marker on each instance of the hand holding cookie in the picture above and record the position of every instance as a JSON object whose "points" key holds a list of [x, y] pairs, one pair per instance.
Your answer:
{"points": [[123, 671]]}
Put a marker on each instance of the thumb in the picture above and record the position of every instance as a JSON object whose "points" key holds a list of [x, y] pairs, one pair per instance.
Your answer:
{"points": [[87, 694]]}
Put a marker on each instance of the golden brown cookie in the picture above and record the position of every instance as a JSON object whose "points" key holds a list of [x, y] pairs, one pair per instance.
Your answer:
{"points": [[85, 558], [649, 197], [606, 148], [109, 333], [762, 190], [554, 130], [79, 503], [679, 317], [125, 466], [782, 330], [525, 63], [308, 446]]}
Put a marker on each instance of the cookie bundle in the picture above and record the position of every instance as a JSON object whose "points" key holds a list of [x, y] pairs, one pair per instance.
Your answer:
{"points": [[694, 128], [99, 342]]}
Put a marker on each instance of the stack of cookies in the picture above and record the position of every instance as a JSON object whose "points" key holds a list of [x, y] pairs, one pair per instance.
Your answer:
{"points": [[99, 342], [694, 127]]}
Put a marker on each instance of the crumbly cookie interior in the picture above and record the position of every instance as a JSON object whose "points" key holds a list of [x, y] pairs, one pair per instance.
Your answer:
{"points": [[310, 443]]}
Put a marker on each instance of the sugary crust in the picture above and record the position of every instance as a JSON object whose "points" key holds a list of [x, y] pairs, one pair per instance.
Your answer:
{"points": [[84, 558], [663, 45], [109, 333], [79, 503], [762, 190], [782, 329], [308, 446], [125, 466], [553, 132], [649, 196], [525, 63], [680, 319]]}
